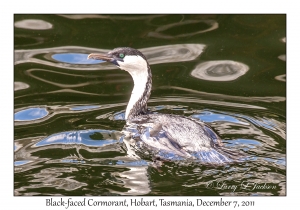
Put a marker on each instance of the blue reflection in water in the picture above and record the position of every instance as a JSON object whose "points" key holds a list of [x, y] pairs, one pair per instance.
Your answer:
{"points": [[178, 109], [75, 58], [212, 117], [21, 162], [79, 108], [72, 161], [247, 142], [83, 137], [119, 116], [31, 114], [280, 161], [160, 107], [133, 163]]}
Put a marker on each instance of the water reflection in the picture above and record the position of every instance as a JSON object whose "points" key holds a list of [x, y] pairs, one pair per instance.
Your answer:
{"points": [[129, 174], [20, 86], [224, 70], [218, 96], [135, 179], [67, 151], [21, 162], [158, 33], [33, 24], [26, 115], [71, 57], [31, 114], [34, 150], [26, 56], [271, 124], [212, 117], [74, 58], [112, 17], [30, 40], [282, 57], [243, 125], [51, 178], [95, 138], [244, 142], [37, 115], [281, 77], [30, 72], [80, 108], [124, 174]]}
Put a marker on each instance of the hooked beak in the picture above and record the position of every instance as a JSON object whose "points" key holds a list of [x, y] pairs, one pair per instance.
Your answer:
{"points": [[104, 57]]}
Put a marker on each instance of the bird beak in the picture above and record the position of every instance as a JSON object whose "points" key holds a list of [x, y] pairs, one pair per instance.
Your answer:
{"points": [[104, 57]]}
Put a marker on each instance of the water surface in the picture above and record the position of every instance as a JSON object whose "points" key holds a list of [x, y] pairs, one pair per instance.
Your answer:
{"points": [[226, 70]]}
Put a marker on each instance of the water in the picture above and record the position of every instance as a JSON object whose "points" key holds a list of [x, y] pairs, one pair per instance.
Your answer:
{"points": [[226, 70]]}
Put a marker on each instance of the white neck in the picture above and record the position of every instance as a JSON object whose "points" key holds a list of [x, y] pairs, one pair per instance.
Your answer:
{"points": [[137, 67], [140, 81]]}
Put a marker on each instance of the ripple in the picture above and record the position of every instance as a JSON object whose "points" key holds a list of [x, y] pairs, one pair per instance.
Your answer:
{"points": [[281, 77], [72, 161], [112, 17], [173, 53], [21, 162], [118, 116], [270, 124], [279, 161], [244, 142], [224, 70], [113, 116], [95, 138], [31, 114], [74, 58], [17, 146], [21, 41], [71, 57], [80, 108], [33, 24], [51, 177], [209, 117], [282, 57], [211, 25], [30, 72], [20, 86], [237, 124], [200, 101], [218, 96], [135, 178], [133, 163]]}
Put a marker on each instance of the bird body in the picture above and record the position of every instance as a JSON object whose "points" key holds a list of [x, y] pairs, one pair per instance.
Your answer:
{"points": [[166, 136]]}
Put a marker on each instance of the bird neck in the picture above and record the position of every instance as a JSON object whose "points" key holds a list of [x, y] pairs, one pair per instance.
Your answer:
{"points": [[137, 105]]}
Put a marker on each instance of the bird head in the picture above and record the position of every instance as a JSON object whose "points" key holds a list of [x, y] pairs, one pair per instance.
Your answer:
{"points": [[125, 58]]}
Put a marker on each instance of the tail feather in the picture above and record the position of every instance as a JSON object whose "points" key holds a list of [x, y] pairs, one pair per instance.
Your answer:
{"points": [[219, 155]]}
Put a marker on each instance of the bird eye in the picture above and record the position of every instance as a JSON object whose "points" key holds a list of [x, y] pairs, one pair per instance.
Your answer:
{"points": [[121, 55]]}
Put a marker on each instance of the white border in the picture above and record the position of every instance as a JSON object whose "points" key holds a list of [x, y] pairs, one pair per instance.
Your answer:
{"points": [[154, 6]]}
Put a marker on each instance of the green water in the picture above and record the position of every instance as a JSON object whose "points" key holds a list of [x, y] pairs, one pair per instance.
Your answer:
{"points": [[226, 70]]}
